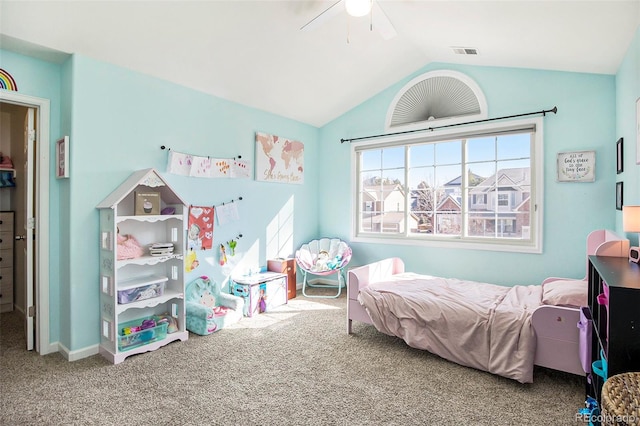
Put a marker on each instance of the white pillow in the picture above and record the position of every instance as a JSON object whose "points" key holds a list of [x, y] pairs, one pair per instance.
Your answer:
{"points": [[565, 293]]}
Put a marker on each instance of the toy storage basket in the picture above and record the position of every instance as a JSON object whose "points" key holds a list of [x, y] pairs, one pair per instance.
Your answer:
{"points": [[141, 337], [142, 288], [584, 326], [620, 403]]}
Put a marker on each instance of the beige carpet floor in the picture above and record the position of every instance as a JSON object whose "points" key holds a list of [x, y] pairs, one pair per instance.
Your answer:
{"points": [[293, 366]]}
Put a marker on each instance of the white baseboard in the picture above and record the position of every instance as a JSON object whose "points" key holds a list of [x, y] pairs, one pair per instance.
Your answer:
{"points": [[46, 349], [77, 354]]}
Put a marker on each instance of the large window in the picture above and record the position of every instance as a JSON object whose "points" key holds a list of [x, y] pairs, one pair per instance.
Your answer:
{"points": [[480, 187]]}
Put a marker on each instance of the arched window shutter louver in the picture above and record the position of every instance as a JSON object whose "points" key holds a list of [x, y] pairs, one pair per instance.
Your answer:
{"points": [[445, 96]]}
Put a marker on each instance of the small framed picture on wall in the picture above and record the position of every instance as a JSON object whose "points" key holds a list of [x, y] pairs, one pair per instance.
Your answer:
{"points": [[62, 157], [638, 131], [619, 157], [618, 195]]}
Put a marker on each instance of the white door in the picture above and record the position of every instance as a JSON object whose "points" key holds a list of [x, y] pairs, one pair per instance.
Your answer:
{"points": [[36, 199], [25, 224]]}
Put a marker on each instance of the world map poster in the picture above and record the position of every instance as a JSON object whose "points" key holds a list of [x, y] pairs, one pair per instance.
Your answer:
{"points": [[279, 159]]}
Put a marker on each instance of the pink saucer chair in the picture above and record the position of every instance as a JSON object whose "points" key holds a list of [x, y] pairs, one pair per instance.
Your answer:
{"points": [[324, 257]]}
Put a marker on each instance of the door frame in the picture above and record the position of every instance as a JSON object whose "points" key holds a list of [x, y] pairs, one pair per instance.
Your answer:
{"points": [[42, 106]]}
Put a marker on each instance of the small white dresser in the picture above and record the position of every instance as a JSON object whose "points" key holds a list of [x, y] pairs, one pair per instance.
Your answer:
{"points": [[6, 261]]}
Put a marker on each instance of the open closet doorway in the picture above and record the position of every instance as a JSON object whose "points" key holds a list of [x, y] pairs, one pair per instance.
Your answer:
{"points": [[24, 138]]}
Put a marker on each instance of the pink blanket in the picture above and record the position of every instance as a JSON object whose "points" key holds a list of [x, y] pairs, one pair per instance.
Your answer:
{"points": [[479, 325]]}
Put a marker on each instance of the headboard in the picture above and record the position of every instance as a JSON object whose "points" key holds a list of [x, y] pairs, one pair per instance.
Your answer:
{"points": [[601, 242]]}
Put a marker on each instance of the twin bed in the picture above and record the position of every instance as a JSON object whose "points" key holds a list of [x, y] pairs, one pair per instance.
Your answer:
{"points": [[499, 329]]}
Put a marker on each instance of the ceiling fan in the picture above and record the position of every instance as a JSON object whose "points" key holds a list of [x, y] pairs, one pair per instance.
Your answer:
{"points": [[356, 8]]}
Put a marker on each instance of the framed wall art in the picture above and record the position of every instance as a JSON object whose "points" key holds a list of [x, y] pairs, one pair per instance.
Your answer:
{"points": [[619, 157], [279, 159], [578, 166], [638, 131], [62, 157], [619, 195]]}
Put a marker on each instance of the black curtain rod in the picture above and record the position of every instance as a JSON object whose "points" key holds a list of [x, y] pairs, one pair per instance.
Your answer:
{"points": [[543, 112]]}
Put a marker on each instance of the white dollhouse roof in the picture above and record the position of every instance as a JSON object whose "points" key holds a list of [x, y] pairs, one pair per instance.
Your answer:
{"points": [[147, 177]]}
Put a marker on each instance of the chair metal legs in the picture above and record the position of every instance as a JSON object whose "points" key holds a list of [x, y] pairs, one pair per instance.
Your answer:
{"points": [[342, 282]]}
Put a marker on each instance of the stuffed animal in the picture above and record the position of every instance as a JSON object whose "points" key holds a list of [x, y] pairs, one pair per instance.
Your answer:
{"points": [[322, 262], [172, 323], [128, 247]]}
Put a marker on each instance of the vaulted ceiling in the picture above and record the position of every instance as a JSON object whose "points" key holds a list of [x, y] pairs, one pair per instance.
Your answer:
{"points": [[254, 53]]}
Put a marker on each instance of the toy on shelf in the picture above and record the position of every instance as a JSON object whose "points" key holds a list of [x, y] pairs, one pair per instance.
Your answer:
{"points": [[128, 247]]}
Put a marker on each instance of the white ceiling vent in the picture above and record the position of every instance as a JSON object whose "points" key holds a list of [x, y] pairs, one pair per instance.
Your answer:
{"points": [[445, 96], [465, 50]]}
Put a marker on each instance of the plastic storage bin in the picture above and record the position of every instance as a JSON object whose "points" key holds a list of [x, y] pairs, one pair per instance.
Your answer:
{"points": [[141, 288], [132, 335]]}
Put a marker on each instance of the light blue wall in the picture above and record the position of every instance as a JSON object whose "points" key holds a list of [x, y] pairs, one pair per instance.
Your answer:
{"points": [[43, 80], [627, 92], [585, 121], [120, 120], [117, 120]]}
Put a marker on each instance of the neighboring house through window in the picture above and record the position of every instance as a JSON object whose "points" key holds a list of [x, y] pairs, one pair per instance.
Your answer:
{"points": [[475, 186]]}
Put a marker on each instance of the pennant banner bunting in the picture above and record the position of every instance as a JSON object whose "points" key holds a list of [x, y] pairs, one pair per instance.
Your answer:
{"points": [[179, 163]]}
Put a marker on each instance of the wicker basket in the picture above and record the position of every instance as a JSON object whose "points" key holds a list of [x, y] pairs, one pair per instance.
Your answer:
{"points": [[621, 400]]}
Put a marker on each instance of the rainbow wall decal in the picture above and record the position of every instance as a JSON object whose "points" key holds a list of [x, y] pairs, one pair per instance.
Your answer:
{"points": [[7, 82]]}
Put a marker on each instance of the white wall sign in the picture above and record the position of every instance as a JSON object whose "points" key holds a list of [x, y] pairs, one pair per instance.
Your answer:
{"points": [[579, 166]]}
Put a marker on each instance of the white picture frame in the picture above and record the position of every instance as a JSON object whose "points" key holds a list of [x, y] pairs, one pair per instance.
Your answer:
{"points": [[577, 166], [62, 158]]}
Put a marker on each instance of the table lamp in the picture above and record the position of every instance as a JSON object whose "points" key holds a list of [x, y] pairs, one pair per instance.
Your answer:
{"points": [[631, 223]]}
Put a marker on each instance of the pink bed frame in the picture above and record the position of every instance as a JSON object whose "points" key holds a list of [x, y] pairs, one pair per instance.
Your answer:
{"points": [[557, 344]]}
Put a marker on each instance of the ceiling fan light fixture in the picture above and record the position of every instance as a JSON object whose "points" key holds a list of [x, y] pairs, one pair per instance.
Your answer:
{"points": [[357, 8]]}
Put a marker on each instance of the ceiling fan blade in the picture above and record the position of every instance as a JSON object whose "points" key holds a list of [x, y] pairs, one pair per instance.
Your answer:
{"points": [[333, 10], [381, 22]]}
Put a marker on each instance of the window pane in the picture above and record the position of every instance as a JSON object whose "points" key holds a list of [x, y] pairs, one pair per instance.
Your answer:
{"points": [[393, 201], [421, 155], [448, 152], [449, 178], [481, 149], [393, 177], [371, 160], [514, 146], [388, 215], [421, 176], [482, 172], [393, 157], [448, 223], [422, 208], [494, 175]]}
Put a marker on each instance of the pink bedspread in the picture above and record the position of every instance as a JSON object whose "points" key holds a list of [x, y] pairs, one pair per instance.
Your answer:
{"points": [[479, 325]]}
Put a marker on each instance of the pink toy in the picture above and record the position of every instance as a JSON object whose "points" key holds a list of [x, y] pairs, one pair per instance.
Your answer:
{"points": [[128, 247]]}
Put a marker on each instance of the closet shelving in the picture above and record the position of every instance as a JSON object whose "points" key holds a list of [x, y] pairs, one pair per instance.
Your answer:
{"points": [[159, 279]]}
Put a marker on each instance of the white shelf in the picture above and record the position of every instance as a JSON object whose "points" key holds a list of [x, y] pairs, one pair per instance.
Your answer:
{"points": [[149, 218], [140, 281], [148, 260], [121, 355], [150, 303], [167, 271]]}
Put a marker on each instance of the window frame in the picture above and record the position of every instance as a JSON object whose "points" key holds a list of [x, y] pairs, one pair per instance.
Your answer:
{"points": [[535, 245]]}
